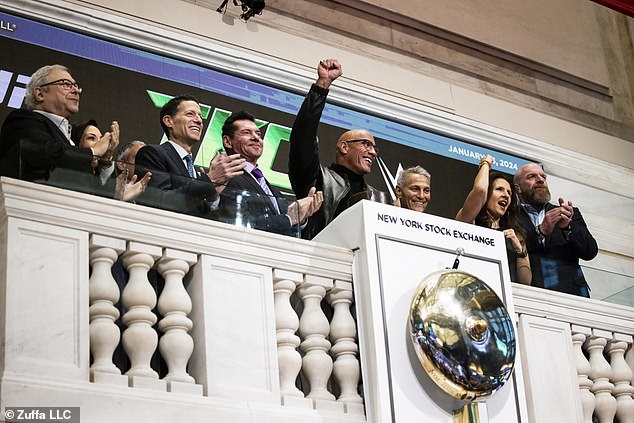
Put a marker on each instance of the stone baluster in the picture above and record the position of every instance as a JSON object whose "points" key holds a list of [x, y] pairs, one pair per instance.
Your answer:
{"points": [[104, 294], [600, 374], [343, 333], [176, 344], [583, 371], [286, 324], [139, 338], [314, 329], [629, 359], [621, 378]]}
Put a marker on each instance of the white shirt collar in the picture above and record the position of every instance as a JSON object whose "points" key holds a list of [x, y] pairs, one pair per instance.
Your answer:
{"points": [[248, 167], [180, 150], [61, 122]]}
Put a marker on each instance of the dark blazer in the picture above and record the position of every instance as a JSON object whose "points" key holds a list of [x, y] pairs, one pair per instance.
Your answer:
{"points": [[555, 263], [171, 187], [33, 148], [244, 202]]}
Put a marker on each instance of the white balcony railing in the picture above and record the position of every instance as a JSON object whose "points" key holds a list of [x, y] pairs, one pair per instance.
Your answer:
{"points": [[225, 324], [575, 350], [221, 314]]}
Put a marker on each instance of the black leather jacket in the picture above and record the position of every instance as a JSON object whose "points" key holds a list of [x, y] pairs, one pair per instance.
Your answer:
{"points": [[304, 169]]}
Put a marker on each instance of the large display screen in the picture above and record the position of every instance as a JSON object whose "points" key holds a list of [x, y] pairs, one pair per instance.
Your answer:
{"points": [[127, 84]]}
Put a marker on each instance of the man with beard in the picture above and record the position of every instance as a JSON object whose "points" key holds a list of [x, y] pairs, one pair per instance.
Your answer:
{"points": [[342, 181], [556, 235]]}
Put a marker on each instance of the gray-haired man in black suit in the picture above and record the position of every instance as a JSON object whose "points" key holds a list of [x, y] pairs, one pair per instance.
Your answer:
{"points": [[35, 140]]}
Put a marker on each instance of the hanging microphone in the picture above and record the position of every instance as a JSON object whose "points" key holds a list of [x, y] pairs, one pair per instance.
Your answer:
{"points": [[456, 262]]}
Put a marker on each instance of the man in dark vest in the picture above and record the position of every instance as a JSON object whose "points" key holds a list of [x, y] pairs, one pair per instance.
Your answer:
{"points": [[343, 180]]}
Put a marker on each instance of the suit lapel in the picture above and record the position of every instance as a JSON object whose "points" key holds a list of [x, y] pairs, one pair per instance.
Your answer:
{"points": [[252, 183], [54, 129], [172, 154]]}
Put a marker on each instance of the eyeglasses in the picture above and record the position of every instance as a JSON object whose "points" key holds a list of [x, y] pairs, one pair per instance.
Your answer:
{"points": [[65, 84], [367, 144]]}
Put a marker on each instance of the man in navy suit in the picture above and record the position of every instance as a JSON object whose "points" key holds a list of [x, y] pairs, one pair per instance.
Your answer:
{"points": [[175, 184], [35, 141], [249, 199], [556, 235]]}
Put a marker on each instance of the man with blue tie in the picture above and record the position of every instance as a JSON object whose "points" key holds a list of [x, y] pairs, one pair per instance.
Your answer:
{"points": [[248, 198], [175, 185]]}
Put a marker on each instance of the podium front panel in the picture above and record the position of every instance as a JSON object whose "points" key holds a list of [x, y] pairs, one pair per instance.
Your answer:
{"points": [[395, 249]]}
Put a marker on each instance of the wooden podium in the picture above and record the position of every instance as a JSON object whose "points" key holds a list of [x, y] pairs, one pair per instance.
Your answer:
{"points": [[394, 249]]}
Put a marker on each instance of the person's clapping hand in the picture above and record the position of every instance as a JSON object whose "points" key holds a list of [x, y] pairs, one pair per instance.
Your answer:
{"points": [[301, 210], [129, 190], [566, 211], [108, 143], [557, 217], [224, 167]]}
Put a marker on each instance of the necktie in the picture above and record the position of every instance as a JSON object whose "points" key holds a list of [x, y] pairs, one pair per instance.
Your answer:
{"points": [[259, 176], [190, 165], [257, 173]]}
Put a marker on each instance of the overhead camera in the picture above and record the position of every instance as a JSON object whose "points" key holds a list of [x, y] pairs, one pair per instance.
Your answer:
{"points": [[250, 8]]}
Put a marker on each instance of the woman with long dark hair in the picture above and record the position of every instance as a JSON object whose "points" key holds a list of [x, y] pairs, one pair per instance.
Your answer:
{"points": [[493, 203]]}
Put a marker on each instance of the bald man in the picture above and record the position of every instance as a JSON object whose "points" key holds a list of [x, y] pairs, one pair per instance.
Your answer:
{"points": [[556, 235], [356, 152]]}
